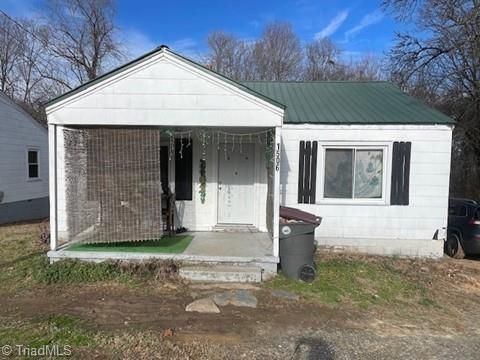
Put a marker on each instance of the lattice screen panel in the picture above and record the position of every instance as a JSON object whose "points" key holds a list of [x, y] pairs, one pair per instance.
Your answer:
{"points": [[113, 187]]}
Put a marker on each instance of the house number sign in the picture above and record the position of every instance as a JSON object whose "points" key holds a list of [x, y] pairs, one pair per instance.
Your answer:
{"points": [[277, 157]]}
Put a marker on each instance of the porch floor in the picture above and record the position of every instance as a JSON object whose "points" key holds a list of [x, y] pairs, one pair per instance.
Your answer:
{"points": [[209, 247], [242, 244]]}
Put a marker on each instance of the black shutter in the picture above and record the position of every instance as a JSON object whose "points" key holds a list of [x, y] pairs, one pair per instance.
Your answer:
{"points": [[313, 173], [400, 186], [183, 170], [301, 171], [307, 172]]}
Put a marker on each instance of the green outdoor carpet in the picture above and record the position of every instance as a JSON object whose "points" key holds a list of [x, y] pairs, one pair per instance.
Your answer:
{"points": [[165, 245]]}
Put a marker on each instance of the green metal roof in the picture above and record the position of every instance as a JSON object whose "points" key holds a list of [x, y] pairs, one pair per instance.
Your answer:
{"points": [[331, 102], [348, 102]]}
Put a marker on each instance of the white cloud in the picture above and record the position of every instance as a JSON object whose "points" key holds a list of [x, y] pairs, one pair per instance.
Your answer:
{"points": [[368, 20], [187, 47], [333, 25], [137, 43], [183, 45]]}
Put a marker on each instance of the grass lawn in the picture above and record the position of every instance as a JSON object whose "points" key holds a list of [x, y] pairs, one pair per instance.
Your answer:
{"points": [[166, 245], [357, 281]]}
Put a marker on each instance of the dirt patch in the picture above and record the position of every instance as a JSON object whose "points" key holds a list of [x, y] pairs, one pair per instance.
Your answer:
{"points": [[113, 307]]}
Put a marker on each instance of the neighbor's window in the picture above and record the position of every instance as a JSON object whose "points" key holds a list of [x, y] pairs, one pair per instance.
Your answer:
{"points": [[352, 173], [33, 167]]}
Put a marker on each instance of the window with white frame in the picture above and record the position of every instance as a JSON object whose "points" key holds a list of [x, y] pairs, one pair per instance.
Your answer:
{"points": [[33, 167], [354, 173]]}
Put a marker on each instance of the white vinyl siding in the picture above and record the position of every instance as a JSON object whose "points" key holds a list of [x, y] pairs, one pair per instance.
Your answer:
{"points": [[18, 133], [429, 181], [160, 91]]}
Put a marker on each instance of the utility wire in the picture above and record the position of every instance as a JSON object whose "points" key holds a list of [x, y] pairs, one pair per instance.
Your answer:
{"points": [[20, 25], [40, 60]]}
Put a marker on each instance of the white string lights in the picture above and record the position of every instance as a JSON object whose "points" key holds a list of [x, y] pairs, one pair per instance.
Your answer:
{"points": [[208, 137]]}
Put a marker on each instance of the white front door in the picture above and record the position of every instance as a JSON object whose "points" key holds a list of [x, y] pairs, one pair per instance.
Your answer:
{"points": [[235, 184]]}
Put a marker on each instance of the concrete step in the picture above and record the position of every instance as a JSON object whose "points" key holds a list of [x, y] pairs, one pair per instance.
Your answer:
{"points": [[235, 228], [222, 273]]}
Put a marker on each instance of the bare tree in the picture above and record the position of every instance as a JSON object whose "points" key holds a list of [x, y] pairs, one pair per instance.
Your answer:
{"points": [[41, 58], [22, 62], [11, 40], [82, 36], [31, 65], [321, 60], [324, 61], [229, 55], [367, 68], [446, 56], [278, 53]]}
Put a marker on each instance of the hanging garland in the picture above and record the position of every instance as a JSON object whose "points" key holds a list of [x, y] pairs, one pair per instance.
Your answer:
{"points": [[203, 180], [216, 137], [206, 137], [269, 151]]}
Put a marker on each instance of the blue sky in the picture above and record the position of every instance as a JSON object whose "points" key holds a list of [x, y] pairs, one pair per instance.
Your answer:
{"points": [[357, 26]]}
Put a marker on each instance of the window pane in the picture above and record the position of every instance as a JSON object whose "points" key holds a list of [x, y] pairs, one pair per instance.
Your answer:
{"points": [[338, 173], [368, 174], [33, 171], [32, 157]]}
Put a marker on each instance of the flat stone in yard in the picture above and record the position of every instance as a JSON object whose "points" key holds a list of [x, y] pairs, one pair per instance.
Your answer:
{"points": [[222, 299], [284, 294], [236, 298], [205, 305], [244, 298]]}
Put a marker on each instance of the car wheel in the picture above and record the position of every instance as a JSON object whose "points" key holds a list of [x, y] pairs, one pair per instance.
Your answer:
{"points": [[453, 246]]}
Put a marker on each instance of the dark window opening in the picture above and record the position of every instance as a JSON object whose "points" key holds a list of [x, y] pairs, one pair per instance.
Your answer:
{"points": [[183, 169], [32, 164], [458, 210], [164, 168], [477, 214]]}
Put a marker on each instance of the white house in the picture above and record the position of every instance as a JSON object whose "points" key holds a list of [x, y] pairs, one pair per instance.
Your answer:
{"points": [[373, 162], [23, 165]]}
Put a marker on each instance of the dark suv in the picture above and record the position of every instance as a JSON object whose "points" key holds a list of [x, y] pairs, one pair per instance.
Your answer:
{"points": [[463, 233]]}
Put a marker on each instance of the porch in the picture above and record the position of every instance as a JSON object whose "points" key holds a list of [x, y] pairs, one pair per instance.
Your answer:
{"points": [[161, 126], [211, 248]]}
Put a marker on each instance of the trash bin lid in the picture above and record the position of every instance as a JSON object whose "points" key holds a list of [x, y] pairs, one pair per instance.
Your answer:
{"points": [[290, 213]]}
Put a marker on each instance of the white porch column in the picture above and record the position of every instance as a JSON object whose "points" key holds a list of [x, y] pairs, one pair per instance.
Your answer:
{"points": [[276, 189], [52, 166]]}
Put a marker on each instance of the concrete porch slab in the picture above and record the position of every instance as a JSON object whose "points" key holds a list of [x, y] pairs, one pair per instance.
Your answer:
{"points": [[230, 244], [206, 248]]}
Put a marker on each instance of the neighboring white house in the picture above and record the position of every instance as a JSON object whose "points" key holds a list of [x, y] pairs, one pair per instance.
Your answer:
{"points": [[23, 164], [373, 162]]}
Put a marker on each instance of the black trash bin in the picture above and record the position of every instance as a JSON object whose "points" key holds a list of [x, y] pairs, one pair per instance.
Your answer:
{"points": [[297, 243]]}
